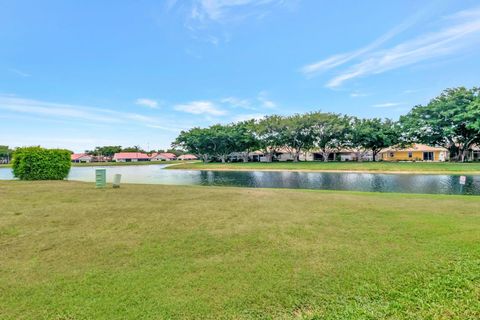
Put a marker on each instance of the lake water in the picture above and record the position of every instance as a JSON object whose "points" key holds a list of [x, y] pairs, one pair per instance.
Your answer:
{"points": [[407, 183]]}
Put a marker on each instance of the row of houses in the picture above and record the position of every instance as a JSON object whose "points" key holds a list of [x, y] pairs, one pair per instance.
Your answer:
{"points": [[131, 157], [416, 152]]}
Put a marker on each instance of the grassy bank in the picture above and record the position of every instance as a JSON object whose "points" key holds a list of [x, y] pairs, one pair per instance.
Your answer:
{"points": [[397, 167], [70, 251]]}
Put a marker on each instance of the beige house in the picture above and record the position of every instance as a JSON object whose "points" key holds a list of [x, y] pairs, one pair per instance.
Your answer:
{"points": [[416, 152], [474, 153]]}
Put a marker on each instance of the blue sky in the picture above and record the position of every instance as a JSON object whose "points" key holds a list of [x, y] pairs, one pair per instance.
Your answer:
{"points": [[77, 74]]}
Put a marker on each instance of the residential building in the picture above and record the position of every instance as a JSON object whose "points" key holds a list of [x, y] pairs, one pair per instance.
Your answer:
{"points": [[187, 157], [163, 156], [81, 158], [130, 157], [416, 152], [474, 153]]}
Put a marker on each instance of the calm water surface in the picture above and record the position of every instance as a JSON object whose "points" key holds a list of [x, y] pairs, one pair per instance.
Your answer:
{"points": [[407, 183]]}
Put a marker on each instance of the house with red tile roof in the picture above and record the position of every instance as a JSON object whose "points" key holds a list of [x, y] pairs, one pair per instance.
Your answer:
{"points": [[187, 157], [163, 156], [130, 157], [81, 158]]}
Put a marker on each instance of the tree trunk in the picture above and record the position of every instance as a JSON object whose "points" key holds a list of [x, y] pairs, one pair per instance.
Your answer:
{"points": [[223, 159], [270, 157], [374, 155], [464, 154], [325, 156], [296, 156]]}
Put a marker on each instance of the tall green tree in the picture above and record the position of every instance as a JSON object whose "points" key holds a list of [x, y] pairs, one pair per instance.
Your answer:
{"points": [[297, 133], [197, 141], [244, 138], [451, 120], [373, 135], [107, 151], [223, 139], [269, 133], [330, 132], [133, 149]]}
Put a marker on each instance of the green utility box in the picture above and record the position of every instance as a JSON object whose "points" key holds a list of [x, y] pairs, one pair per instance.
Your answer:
{"points": [[100, 178]]}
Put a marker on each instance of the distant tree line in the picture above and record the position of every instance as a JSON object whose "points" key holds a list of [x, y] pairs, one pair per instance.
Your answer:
{"points": [[109, 151], [451, 120], [5, 154]]}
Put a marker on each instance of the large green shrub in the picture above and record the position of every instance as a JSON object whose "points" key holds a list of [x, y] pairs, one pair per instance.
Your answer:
{"points": [[36, 163]]}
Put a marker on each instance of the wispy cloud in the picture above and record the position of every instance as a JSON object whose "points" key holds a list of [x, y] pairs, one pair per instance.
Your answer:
{"points": [[223, 10], [340, 59], [265, 101], [244, 117], [428, 46], [74, 112], [235, 102], [20, 73], [460, 31], [150, 103], [201, 107], [203, 17], [387, 104], [260, 102], [358, 94]]}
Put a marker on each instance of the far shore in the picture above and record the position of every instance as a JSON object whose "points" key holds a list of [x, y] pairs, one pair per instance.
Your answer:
{"points": [[352, 167], [327, 170], [451, 168]]}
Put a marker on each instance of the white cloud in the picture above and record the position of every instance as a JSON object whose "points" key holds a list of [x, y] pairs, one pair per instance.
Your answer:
{"points": [[340, 59], [357, 94], [387, 104], [265, 101], [87, 114], [237, 102], [244, 117], [452, 39], [461, 31], [223, 10], [201, 107], [20, 73], [204, 17], [147, 103], [261, 101], [50, 109]]}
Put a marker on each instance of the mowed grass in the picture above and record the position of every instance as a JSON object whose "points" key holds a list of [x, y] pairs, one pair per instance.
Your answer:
{"points": [[415, 167], [69, 251]]}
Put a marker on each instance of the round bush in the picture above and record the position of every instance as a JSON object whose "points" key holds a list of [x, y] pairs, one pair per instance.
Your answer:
{"points": [[36, 163]]}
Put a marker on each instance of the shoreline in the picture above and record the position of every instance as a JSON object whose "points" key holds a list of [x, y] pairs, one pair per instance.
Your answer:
{"points": [[178, 166], [473, 197], [456, 173]]}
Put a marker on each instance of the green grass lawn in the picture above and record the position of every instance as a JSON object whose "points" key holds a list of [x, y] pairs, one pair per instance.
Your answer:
{"points": [[417, 167], [69, 251]]}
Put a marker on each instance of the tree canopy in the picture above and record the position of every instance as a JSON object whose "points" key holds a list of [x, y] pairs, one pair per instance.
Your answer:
{"points": [[451, 120], [373, 134]]}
